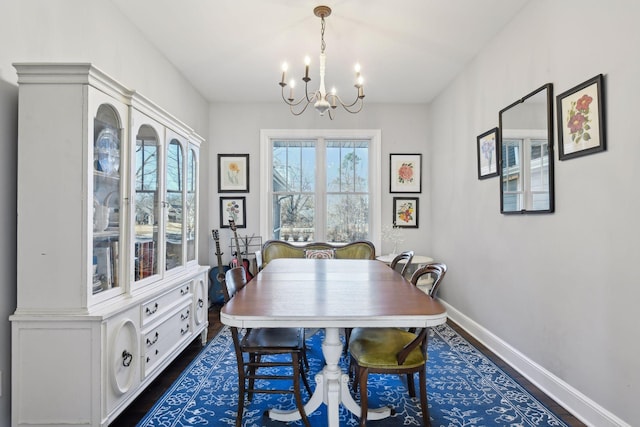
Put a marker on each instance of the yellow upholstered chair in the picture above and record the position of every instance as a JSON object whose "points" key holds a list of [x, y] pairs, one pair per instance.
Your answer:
{"points": [[393, 351]]}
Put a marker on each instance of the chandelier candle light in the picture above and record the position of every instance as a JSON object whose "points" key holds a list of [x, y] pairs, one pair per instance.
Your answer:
{"points": [[322, 101]]}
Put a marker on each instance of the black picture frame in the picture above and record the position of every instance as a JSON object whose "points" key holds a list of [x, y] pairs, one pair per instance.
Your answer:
{"points": [[234, 207], [406, 212], [405, 173], [233, 173], [581, 119], [487, 147]]}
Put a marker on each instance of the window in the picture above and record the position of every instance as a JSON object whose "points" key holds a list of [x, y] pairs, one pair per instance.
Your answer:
{"points": [[520, 191], [321, 186]]}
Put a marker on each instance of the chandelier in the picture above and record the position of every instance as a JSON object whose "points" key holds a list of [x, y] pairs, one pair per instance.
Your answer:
{"points": [[321, 100]]}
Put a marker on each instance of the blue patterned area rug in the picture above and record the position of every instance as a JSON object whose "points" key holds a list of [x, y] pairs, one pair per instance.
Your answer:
{"points": [[464, 387]]}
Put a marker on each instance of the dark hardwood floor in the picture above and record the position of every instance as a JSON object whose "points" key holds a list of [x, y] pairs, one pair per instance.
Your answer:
{"points": [[137, 410]]}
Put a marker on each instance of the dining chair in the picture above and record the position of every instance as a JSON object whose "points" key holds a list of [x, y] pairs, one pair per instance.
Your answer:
{"points": [[405, 256], [436, 270], [394, 351], [256, 349]]}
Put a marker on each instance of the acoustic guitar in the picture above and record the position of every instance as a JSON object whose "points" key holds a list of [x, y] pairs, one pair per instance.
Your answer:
{"points": [[241, 261], [216, 275]]}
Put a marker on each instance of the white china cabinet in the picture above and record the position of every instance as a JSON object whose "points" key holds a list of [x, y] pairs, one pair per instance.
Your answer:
{"points": [[109, 288]]}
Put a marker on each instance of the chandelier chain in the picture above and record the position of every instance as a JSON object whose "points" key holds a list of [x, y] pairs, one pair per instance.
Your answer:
{"points": [[322, 43]]}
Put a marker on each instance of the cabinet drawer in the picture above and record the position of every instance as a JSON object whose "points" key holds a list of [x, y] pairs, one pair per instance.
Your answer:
{"points": [[161, 340], [155, 308]]}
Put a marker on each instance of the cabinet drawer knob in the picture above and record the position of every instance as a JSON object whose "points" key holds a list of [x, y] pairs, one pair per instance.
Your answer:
{"points": [[185, 316], [200, 303], [185, 330]]}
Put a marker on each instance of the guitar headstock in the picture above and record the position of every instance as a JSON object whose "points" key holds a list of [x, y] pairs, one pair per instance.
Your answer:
{"points": [[232, 225], [216, 235]]}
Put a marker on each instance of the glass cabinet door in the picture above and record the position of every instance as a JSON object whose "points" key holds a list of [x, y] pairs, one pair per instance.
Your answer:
{"points": [[174, 205], [191, 203], [106, 199], [146, 203]]}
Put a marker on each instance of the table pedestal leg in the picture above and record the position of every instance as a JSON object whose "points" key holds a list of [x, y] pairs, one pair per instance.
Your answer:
{"points": [[332, 388]]}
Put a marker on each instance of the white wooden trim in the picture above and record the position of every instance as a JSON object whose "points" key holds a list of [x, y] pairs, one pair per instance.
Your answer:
{"points": [[582, 407]]}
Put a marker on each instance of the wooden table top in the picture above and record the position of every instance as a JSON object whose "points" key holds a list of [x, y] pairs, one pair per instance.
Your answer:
{"points": [[331, 293]]}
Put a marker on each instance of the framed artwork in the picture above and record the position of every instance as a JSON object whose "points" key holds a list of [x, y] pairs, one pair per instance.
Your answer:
{"points": [[405, 212], [233, 208], [581, 119], [405, 173], [233, 173], [488, 154]]}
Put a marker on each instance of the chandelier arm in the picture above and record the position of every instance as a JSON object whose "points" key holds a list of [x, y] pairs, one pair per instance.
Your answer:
{"points": [[294, 103], [347, 106], [301, 111], [306, 93]]}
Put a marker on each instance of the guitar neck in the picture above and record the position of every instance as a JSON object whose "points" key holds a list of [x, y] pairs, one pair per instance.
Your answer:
{"points": [[238, 252], [219, 255]]}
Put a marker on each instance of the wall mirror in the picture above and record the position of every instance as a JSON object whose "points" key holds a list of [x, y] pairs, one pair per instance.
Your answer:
{"points": [[526, 154]]}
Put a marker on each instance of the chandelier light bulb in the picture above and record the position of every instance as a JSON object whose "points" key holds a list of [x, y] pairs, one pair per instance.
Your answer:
{"points": [[307, 61], [284, 74], [357, 68]]}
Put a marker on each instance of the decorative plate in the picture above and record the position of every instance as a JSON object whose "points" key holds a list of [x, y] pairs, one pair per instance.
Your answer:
{"points": [[107, 151]]}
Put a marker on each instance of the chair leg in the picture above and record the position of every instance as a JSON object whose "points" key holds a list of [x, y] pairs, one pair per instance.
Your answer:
{"points": [[304, 376], [252, 373], [304, 355], [354, 371], [423, 397], [363, 374], [297, 364], [347, 336], [241, 392], [411, 386]]}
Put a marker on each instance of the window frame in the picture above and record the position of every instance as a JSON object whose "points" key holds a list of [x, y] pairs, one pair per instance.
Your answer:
{"points": [[375, 178]]}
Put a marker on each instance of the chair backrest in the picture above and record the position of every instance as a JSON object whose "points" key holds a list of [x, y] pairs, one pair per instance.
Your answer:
{"points": [[234, 280], [436, 270], [273, 249], [407, 256]]}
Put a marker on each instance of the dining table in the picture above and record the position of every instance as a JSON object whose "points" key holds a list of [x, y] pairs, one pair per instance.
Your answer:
{"points": [[331, 294]]}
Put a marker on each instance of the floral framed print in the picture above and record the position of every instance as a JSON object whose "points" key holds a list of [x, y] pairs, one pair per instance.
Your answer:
{"points": [[405, 212], [233, 208], [581, 119], [233, 173], [488, 154], [405, 172]]}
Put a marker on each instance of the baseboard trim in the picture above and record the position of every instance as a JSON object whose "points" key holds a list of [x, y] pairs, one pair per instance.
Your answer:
{"points": [[583, 408]]}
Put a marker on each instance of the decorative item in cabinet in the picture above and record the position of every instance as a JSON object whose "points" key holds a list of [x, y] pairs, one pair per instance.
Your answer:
{"points": [[106, 199]]}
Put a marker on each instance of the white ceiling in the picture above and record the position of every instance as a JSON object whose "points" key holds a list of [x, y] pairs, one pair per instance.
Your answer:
{"points": [[232, 50]]}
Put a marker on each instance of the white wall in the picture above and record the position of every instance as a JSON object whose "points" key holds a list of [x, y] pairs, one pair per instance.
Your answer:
{"points": [[71, 31], [562, 289], [235, 128]]}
